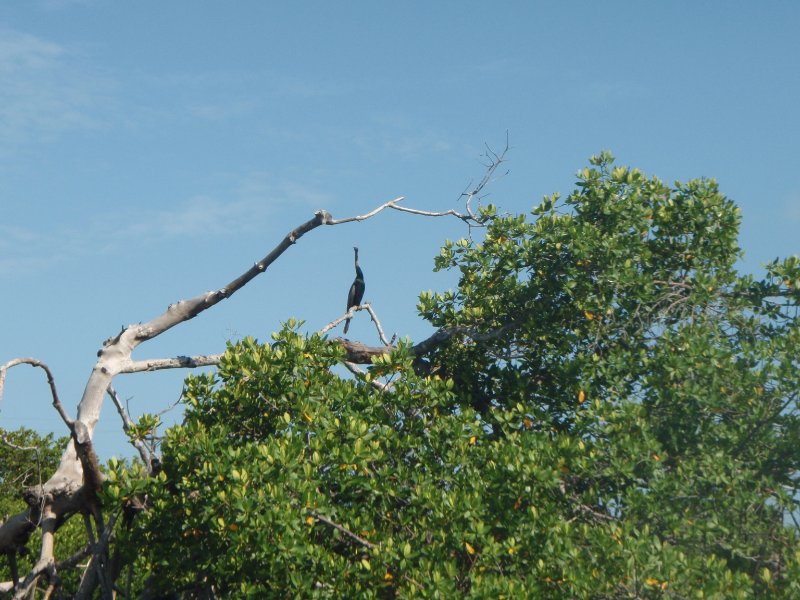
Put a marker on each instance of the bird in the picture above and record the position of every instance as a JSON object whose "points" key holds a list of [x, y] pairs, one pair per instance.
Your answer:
{"points": [[356, 292]]}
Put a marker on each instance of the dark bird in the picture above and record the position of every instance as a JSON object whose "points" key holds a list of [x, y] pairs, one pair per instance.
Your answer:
{"points": [[356, 292]]}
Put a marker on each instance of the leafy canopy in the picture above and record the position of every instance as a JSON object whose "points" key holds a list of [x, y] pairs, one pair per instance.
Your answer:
{"points": [[615, 415]]}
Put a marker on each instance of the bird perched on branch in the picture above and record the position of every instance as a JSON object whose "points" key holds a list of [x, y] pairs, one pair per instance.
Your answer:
{"points": [[356, 292]]}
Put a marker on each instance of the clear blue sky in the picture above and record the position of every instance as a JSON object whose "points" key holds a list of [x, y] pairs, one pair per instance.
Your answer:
{"points": [[150, 151]]}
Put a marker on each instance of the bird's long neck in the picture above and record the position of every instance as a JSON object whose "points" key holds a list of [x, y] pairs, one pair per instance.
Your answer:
{"points": [[359, 272]]}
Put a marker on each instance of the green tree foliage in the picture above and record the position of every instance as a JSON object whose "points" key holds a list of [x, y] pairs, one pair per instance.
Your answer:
{"points": [[613, 415], [26, 460]]}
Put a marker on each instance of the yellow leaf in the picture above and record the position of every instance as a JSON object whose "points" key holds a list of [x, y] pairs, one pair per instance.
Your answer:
{"points": [[588, 315], [470, 549], [472, 440], [308, 417], [388, 576], [652, 581], [309, 520], [581, 396]]}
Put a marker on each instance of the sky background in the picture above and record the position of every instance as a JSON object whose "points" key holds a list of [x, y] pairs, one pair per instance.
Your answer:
{"points": [[150, 151]]}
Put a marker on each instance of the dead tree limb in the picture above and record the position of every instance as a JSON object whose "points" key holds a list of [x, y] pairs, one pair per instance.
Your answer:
{"points": [[349, 315], [314, 514], [179, 362], [144, 452], [359, 353]]}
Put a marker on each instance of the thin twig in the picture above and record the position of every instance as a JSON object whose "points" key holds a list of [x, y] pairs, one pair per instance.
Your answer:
{"points": [[495, 160], [144, 453], [427, 213], [390, 204]]}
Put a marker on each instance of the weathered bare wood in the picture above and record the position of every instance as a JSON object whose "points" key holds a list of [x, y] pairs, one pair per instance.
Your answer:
{"points": [[178, 362]]}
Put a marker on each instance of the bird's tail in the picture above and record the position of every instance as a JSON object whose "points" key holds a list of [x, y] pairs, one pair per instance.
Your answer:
{"points": [[346, 325]]}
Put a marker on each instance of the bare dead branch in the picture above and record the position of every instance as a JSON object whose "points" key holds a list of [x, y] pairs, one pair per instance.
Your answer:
{"points": [[46, 564], [377, 322], [494, 161], [390, 204], [48, 593], [10, 444], [342, 529], [97, 570], [72, 561], [427, 213], [359, 353], [349, 315], [12, 563], [378, 385], [188, 309], [353, 368], [50, 380], [179, 362], [394, 204], [144, 453]]}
